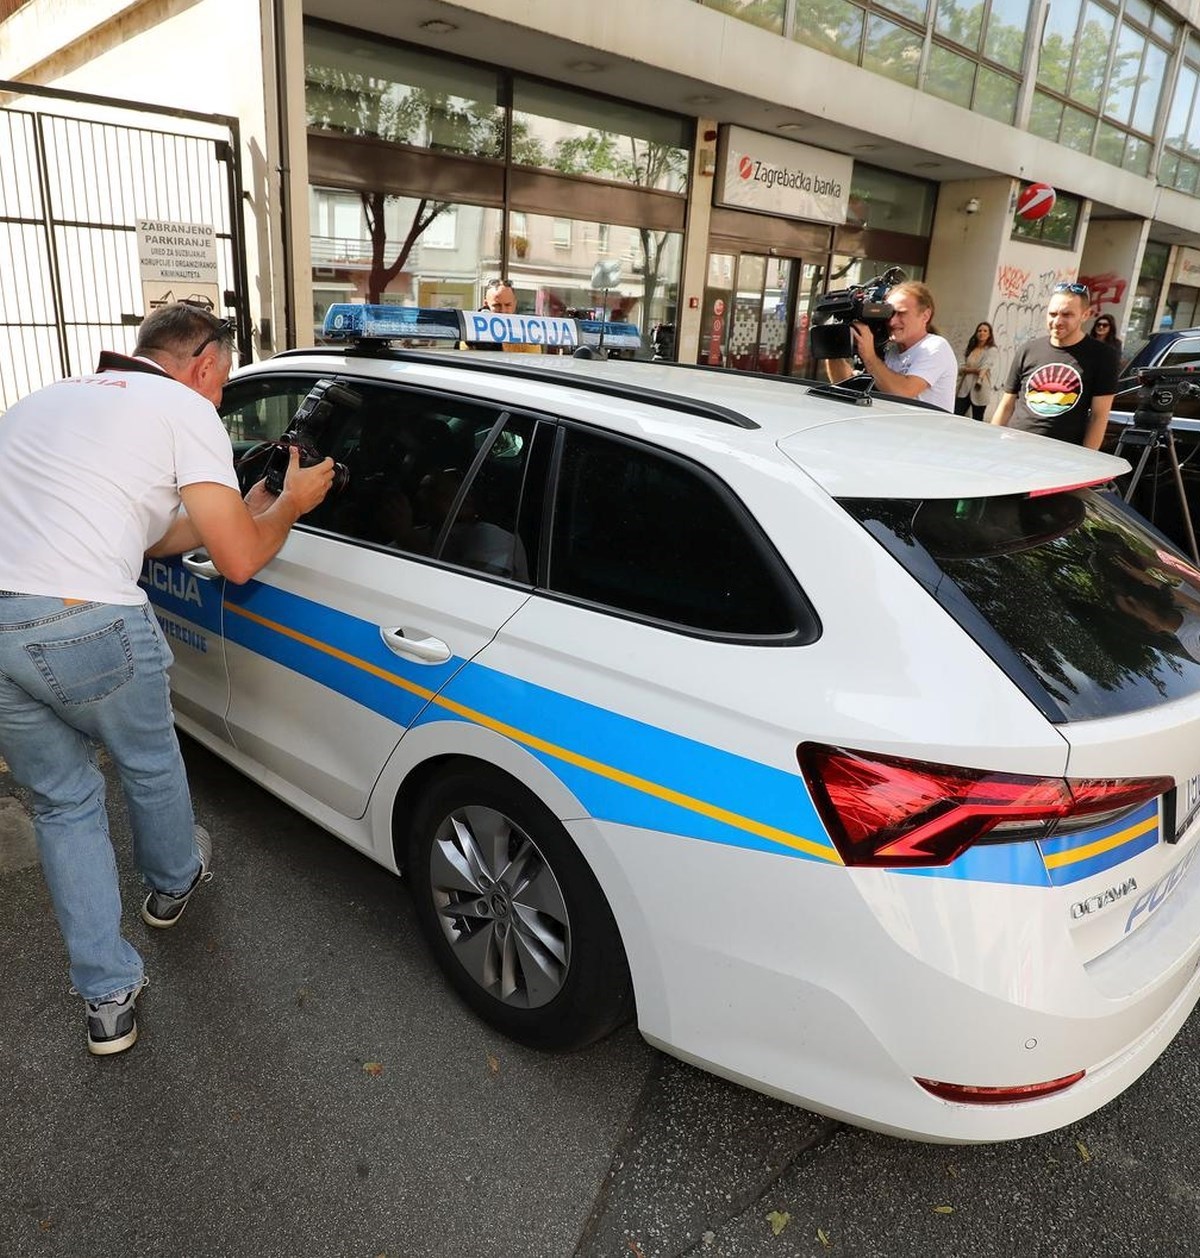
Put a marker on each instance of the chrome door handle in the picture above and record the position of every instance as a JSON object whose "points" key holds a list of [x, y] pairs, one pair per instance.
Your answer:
{"points": [[406, 642], [201, 567]]}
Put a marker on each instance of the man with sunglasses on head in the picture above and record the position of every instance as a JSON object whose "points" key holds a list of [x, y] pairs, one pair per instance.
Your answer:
{"points": [[1062, 385], [100, 471]]}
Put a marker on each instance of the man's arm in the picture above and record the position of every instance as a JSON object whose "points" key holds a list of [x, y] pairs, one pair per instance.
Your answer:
{"points": [[238, 541], [182, 534], [1004, 410], [1098, 422]]}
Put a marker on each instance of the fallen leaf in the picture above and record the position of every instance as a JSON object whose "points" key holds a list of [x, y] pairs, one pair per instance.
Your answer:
{"points": [[493, 1063], [943, 1209], [823, 1237], [952, 1171], [778, 1219], [634, 1249], [46, 1224], [1084, 1155], [373, 1068]]}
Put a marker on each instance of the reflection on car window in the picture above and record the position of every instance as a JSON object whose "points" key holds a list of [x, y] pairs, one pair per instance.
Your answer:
{"points": [[652, 535], [260, 409], [409, 456], [482, 534], [1105, 616]]}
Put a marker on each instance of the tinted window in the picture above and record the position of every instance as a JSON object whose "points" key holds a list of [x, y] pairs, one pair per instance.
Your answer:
{"points": [[259, 409], [482, 514], [1071, 586], [645, 533]]}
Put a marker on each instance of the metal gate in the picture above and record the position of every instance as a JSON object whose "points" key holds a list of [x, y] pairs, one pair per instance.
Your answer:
{"points": [[71, 191]]}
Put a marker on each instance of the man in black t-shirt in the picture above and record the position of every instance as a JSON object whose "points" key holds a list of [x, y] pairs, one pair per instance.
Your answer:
{"points": [[1062, 385]]}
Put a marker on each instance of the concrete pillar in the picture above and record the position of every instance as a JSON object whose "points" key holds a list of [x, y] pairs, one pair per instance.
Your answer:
{"points": [[1111, 261], [695, 257]]}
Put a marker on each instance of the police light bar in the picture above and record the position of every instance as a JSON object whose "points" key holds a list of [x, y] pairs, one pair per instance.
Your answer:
{"points": [[348, 321], [616, 335]]}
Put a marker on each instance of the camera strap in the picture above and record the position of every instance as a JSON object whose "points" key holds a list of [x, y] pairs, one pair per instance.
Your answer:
{"points": [[110, 361]]}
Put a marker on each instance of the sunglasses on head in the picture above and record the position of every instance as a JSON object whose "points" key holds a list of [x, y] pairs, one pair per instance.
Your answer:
{"points": [[219, 333], [1080, 290], [492, 285]]}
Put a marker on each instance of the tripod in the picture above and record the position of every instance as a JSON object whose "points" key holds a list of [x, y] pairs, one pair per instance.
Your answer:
{"points": [[1152, 440]]}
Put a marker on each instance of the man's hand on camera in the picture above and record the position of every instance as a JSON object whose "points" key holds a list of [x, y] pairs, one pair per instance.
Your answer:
{"points": [[306, 487], [864, 345], [259, 498]]}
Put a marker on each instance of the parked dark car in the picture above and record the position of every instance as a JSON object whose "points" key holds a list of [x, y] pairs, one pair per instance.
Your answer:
{"points": [[1156, 495]]}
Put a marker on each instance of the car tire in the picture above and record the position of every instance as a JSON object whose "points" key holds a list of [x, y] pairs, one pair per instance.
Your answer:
{"points": [[513, 914]]}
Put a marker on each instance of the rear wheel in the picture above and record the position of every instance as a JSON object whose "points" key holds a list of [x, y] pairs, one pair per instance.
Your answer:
{"points": [[513, 913]]}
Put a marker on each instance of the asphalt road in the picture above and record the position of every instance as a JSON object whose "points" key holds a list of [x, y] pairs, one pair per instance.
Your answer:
{"points": [[306, 1086]]}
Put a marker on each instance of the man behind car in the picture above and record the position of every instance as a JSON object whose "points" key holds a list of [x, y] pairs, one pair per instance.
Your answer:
{"points": [[100, 470], [1062, 385], [917, 363]]}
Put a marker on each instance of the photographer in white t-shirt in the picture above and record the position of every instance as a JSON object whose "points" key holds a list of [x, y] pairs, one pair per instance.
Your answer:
{"points": [[917, 363]]}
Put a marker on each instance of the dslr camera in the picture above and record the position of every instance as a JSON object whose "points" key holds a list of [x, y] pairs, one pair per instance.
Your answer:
{"points": [[1159, 391], [306, 431], [833, 313]]}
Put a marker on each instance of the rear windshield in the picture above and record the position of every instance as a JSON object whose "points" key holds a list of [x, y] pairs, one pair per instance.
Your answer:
{"points": [[1087, 609]]}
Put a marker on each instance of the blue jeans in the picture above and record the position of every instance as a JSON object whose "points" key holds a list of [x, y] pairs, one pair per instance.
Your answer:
{"points": [[72, 677]]}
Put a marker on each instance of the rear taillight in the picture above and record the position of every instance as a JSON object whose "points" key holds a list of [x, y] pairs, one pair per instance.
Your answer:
{"points": [[886, 810], [967, 1094]]}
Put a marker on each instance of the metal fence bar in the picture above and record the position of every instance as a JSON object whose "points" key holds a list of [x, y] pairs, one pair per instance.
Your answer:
{"points": [[71, 191]]}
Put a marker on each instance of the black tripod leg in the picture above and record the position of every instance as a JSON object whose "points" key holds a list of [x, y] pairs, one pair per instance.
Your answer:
{"points": [[1147, 451], [1183, 502]]}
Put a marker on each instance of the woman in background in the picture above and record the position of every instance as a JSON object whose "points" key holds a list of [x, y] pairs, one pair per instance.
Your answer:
{"points": [[977, 375], [1104, 329]]}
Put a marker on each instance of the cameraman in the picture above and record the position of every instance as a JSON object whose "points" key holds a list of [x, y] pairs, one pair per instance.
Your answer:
{"points": [[917, 363], [100, 469]]}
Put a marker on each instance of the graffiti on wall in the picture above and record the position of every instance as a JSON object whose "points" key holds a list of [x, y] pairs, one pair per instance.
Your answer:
{"points": [[1020, 312], [1107, 289]]}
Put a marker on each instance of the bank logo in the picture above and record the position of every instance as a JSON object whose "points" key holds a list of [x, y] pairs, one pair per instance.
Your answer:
{"points": [[746, 167], [1053, 389]]}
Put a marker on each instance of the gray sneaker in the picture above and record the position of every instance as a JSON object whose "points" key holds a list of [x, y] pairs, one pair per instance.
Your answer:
{"points": [[163, 910], [112, 1024]]}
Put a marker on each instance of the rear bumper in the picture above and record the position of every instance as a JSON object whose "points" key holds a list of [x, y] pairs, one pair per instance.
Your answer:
{"points": [[836, 989]]}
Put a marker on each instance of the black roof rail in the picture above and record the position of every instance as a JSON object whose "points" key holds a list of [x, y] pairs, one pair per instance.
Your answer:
{"points": [[531, 371]]}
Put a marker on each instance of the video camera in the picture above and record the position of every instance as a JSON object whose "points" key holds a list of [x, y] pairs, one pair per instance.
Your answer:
{"points": [[306, 431], [1159, 390], [833, 313]]}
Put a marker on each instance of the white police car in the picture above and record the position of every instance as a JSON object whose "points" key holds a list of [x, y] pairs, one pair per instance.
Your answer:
{"points": [[852, 748]]}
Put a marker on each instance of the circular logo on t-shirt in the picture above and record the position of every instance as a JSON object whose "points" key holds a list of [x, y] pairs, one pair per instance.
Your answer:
{"points": [[1053, 389]]}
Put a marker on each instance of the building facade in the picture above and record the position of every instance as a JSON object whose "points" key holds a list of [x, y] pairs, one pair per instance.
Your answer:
{"points": [[738, 158]]}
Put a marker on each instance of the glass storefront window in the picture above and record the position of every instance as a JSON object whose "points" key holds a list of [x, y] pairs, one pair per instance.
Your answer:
{"points": [[361, 250], [831, 26], [886, 201], [356, 85], [765, 13], [555, 128], [1091, 57], [1058, 43], [995, 95], [950, 76], [960, 22], [892, 50], [1005, 39], [553, 275], [1059, 227]]}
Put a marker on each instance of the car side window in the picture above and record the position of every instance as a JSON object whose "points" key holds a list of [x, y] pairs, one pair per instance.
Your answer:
{"points": [[650, 534], [402, 449], [1182, 353], [261, 408], [480, 517]]}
